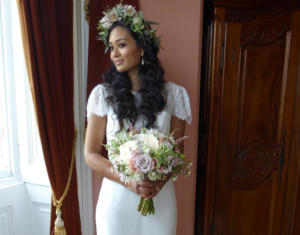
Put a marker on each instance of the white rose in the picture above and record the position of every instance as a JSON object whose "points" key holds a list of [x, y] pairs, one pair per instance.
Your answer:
{"points": [[148, 140], [144, 163], [127, 149], [151, 142]]}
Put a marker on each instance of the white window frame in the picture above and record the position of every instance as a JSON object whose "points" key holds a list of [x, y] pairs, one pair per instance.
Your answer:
{"points": [[14, 176], [84, 173]]}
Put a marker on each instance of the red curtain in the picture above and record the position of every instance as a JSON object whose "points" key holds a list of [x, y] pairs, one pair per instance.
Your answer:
{"points": [[47, 29]]}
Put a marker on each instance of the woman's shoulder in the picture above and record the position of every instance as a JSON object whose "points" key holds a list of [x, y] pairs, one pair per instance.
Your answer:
{"points": [[171, 85], [178, 102], [172, 88], [101, 87], [100, 90], [97, 101]]}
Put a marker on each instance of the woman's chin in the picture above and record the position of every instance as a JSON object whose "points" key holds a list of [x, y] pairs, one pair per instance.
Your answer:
{"points": [[120, 69]]}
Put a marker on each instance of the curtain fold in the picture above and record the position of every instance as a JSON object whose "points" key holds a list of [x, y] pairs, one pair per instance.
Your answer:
{"points": [[47, 31]]}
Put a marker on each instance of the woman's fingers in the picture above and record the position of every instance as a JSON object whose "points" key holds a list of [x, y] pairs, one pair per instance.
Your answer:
{"points": [[147, 188], [153, 194], [158, 187]]}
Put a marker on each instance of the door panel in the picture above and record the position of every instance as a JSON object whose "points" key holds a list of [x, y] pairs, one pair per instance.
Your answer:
{"points": [[251, 162]]}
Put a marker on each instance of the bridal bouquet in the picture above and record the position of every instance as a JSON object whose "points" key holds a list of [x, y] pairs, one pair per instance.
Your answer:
{"points": [[146, 154]]}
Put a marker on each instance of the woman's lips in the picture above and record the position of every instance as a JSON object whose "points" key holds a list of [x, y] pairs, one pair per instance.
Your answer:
{"points": [[118, 62]]}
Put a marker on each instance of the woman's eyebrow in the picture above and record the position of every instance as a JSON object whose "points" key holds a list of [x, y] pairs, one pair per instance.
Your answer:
{"points": [[119, 40]]}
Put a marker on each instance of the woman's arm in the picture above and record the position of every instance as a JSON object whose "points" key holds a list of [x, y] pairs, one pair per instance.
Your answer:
{"points": [[178, 125], [95, 134]]}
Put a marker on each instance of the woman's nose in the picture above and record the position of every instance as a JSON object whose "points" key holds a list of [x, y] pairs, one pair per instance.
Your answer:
{"points": [[116, 52]]}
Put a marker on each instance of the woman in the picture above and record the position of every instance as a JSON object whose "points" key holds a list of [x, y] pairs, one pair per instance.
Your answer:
{"points": [[134, 93]]}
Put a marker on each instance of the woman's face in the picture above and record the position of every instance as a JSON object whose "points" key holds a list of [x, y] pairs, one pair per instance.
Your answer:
{"points": [[124, 51]]}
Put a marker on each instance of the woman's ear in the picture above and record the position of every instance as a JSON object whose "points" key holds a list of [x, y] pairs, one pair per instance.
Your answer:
{"points": [[142, 52]]}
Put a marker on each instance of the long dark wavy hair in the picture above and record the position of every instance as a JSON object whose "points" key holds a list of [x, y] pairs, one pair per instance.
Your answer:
{"points": [[151, 76]]}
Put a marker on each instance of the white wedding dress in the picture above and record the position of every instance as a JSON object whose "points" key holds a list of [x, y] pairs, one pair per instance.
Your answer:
{"points": [[116, 212]]}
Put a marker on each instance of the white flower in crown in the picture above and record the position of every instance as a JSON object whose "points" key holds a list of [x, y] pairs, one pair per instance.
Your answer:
{"points": [[105, 22], [129, 10], [113, 16], [127, 150]]}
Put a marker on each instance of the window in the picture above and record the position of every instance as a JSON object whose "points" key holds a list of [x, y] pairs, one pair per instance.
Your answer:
{"points": [[23, 176], [20, 149], [8, 144]]}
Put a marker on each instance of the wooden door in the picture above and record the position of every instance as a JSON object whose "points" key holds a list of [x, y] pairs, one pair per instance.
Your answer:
{"points": [[255, 81]]}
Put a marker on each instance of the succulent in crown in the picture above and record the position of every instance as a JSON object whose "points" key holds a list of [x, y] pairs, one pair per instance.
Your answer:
{"points": [[133, 19]]}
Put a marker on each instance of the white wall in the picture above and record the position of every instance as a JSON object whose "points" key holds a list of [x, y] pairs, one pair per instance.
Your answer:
{"points": [[24, 209], [15, 212]]}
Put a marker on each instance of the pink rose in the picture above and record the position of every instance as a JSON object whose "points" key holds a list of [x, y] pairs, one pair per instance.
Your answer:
{"points": [[144, 163]]}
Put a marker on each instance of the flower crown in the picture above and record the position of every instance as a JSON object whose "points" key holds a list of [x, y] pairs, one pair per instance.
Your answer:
{"points": [[135, 20]]}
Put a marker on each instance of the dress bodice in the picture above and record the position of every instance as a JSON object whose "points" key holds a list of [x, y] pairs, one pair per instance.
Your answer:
{"points": [[177, 104]]}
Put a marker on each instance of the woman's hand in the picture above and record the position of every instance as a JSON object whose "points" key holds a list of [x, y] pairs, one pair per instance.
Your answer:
{"points": [[147, 188]]}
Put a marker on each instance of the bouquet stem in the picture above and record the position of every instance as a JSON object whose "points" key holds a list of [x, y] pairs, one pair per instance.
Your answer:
{"points": [[146, 206]]}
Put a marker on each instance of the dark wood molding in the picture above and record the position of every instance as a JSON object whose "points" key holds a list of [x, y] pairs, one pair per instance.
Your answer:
{"points": [[266, 35], [242, 4], [257, 13], [255, 163], [255, 4]]}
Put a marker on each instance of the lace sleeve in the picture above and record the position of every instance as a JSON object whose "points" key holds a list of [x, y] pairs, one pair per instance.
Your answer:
{"points": [[181, 103], [96, 102]]}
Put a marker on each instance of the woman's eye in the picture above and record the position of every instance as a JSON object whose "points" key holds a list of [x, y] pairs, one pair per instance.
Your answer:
{"points": [[121, 45], [110, 48]]}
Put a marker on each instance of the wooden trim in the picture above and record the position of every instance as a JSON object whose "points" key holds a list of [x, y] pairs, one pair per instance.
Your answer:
{"points": [[239, 4], [293, 175], [254, 4], [213, 127], [258, 13]]}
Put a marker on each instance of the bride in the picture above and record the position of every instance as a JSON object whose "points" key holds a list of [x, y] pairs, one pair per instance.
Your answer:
{"points": [[134, 93]]}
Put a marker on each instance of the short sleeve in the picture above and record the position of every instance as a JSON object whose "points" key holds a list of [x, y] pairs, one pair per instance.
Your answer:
{"points": [[97, 102], [180, 102]]}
